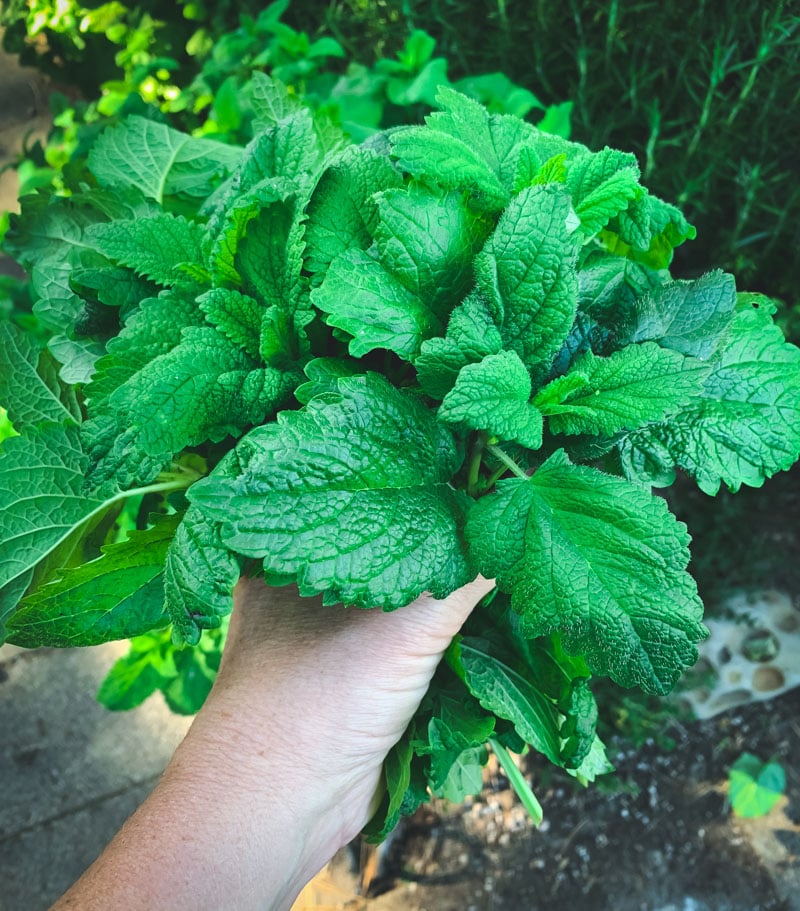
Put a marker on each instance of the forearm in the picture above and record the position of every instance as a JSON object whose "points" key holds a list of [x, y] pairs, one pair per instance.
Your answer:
{"points": [[212, 835]]}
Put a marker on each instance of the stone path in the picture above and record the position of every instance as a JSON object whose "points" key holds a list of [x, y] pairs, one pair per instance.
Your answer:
{"points": [[71, 771]]}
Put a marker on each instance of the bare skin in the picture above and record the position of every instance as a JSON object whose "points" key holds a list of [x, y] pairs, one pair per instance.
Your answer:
{"points": [[282, 765]]}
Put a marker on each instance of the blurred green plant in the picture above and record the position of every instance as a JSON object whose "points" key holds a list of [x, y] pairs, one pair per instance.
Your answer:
{"points": [[206, 87], [183, 674], [755, 786], [703, 94]]}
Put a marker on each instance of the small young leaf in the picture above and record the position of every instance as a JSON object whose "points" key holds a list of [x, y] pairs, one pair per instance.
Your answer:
{"points": [[602, 184], [471, 336], [755, 786], [494, 395], [636, 385], [526, 271]]}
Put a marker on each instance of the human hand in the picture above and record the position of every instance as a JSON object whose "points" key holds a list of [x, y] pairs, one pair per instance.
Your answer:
{"points": [[282, 765], [330, 689]]}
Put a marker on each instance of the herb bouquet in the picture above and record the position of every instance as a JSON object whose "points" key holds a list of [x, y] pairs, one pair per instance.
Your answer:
{"points": [[376, 370]]}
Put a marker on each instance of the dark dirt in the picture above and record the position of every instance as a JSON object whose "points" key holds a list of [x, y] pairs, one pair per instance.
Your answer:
{"points": [[660, 836]]}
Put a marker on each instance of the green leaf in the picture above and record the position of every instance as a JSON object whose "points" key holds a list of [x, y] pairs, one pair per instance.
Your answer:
{"points": [[154, 247], [504, 691], [288, 149], [41, 497], [200, 574], [463, 147], [272, 102], [465, 775], [599, 559], [636, 385], [30, 389], [579, 730], [602, 184], [527, 273], [451, 162], [692, 317], [342, 213], [159, 161], [269, 258], [427, 240], [228, 225], [114, 287], [351, 495], [375, 308], [323, 375], [755, 786], [117, 596], [653, 228], [471, 336], [153, 330], [397, 780], [236, 316], [744, 429], [205, 388], [137, 675], [494, 396]]}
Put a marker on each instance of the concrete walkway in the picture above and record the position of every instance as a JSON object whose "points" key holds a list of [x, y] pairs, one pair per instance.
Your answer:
{"points": [[71, 771]]}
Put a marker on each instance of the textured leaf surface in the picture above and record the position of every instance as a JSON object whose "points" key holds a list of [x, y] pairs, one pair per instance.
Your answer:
{"points": [[527, 273], [427, 241], [494, 395], [200, 574], [30, 389], [153, 330], [745, 428], [116, 596], [688, 316], [342, 214], [375, 308], [236, 315], [153, 247], [41, 498], [471, 336], [599, 559], [636, 385], [351, 495], [160, 161], [203, 389], [601, 185], [504, 691]]}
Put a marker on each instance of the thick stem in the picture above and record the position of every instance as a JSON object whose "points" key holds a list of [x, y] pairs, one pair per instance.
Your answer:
{"points": [[512, 466], [473, 475]]}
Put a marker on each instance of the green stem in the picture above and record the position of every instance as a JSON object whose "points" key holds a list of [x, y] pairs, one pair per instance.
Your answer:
{"points": [[518, 782], [473, 475], [512, 466]]}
